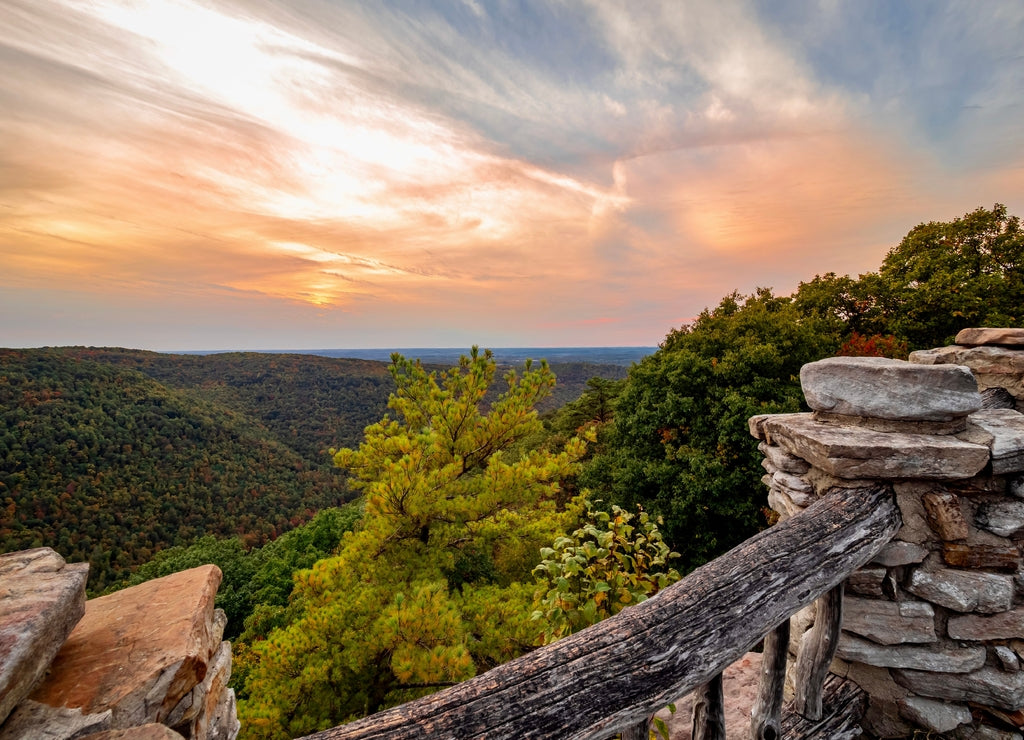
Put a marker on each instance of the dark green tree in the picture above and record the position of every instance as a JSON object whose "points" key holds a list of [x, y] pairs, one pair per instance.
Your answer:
{"points": [[680, 445], [945, 276]]}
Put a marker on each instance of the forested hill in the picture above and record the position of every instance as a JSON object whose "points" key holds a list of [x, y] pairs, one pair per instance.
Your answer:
{"points": [[105, 464], [110, 455], [306, 402]]}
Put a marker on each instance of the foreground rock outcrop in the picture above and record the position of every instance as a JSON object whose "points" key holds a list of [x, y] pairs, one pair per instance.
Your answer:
{"points": [[41, 600], [150, 654], [933, 627]]}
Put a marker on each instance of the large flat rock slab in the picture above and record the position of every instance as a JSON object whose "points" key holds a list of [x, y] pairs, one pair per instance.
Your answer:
{"points": [[41, 600], [880, 388], [890, 622], [138, 652], [935, 658], [993, 366], [854, 452], [1005, 337], [987, 686]]}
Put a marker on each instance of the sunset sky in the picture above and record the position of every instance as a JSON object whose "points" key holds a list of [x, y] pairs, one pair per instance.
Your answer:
{"points": [[232, 174]]}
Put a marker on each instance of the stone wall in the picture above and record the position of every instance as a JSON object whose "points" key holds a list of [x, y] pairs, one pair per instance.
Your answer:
{"points": [[144, 663], [933, 628]]}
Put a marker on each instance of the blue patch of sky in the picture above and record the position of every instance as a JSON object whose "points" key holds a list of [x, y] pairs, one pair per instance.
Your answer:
{"points": [[922, 62], [557, 44], [558, 40]]}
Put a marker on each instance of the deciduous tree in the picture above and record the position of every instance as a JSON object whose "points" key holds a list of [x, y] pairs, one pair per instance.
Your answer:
{"points": [[681, 445]]}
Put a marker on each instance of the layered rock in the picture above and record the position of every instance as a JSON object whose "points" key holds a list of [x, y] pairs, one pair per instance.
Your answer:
{"points": [[895, 390], [933, 627], [42, 599], [150, 654], [993, 365], [151, 731], [977, 337], [857, 453]]}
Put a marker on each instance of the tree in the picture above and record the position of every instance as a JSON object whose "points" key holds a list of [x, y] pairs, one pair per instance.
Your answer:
{"points": [[429, 589], [944, 277], [614, 560], [680, 445]]}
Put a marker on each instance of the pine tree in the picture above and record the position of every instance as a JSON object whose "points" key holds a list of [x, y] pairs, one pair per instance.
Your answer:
{"points": [[432, 587]]}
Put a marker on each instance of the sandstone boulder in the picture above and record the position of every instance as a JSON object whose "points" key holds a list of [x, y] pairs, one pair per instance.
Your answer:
{"points": [[225, 725], [41, 600], [862, 453], [194, 714], [880, 388], [152, 731], [37, 721], [138, 652], [1007, 337]]}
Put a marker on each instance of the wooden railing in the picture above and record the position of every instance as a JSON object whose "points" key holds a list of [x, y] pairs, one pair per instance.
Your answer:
{"points": [[613, 676]]}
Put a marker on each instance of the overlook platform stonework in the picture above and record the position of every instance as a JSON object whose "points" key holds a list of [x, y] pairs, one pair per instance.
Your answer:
{"points": [[933, 627]]}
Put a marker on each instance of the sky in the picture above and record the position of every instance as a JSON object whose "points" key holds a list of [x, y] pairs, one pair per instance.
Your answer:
{"points": [[272, 174]]}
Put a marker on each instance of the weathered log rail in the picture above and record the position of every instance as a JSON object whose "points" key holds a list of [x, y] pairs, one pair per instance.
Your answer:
{"points": [[613, 676]]}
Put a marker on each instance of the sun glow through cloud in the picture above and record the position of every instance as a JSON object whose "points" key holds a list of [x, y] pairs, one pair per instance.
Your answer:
{"points": [[395, 175]]}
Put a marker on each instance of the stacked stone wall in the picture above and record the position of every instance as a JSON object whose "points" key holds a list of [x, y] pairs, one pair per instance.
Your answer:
{"points": [[933, 628]]}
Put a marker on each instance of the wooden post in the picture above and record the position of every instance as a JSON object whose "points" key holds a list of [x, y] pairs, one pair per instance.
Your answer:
{"points": [[844, 706], [709, 711], [640, 731], [817, 649], [765, 717]]}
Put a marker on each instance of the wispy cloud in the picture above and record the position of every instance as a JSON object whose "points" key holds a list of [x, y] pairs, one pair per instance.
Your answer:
{"points": [[581, 172]]}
